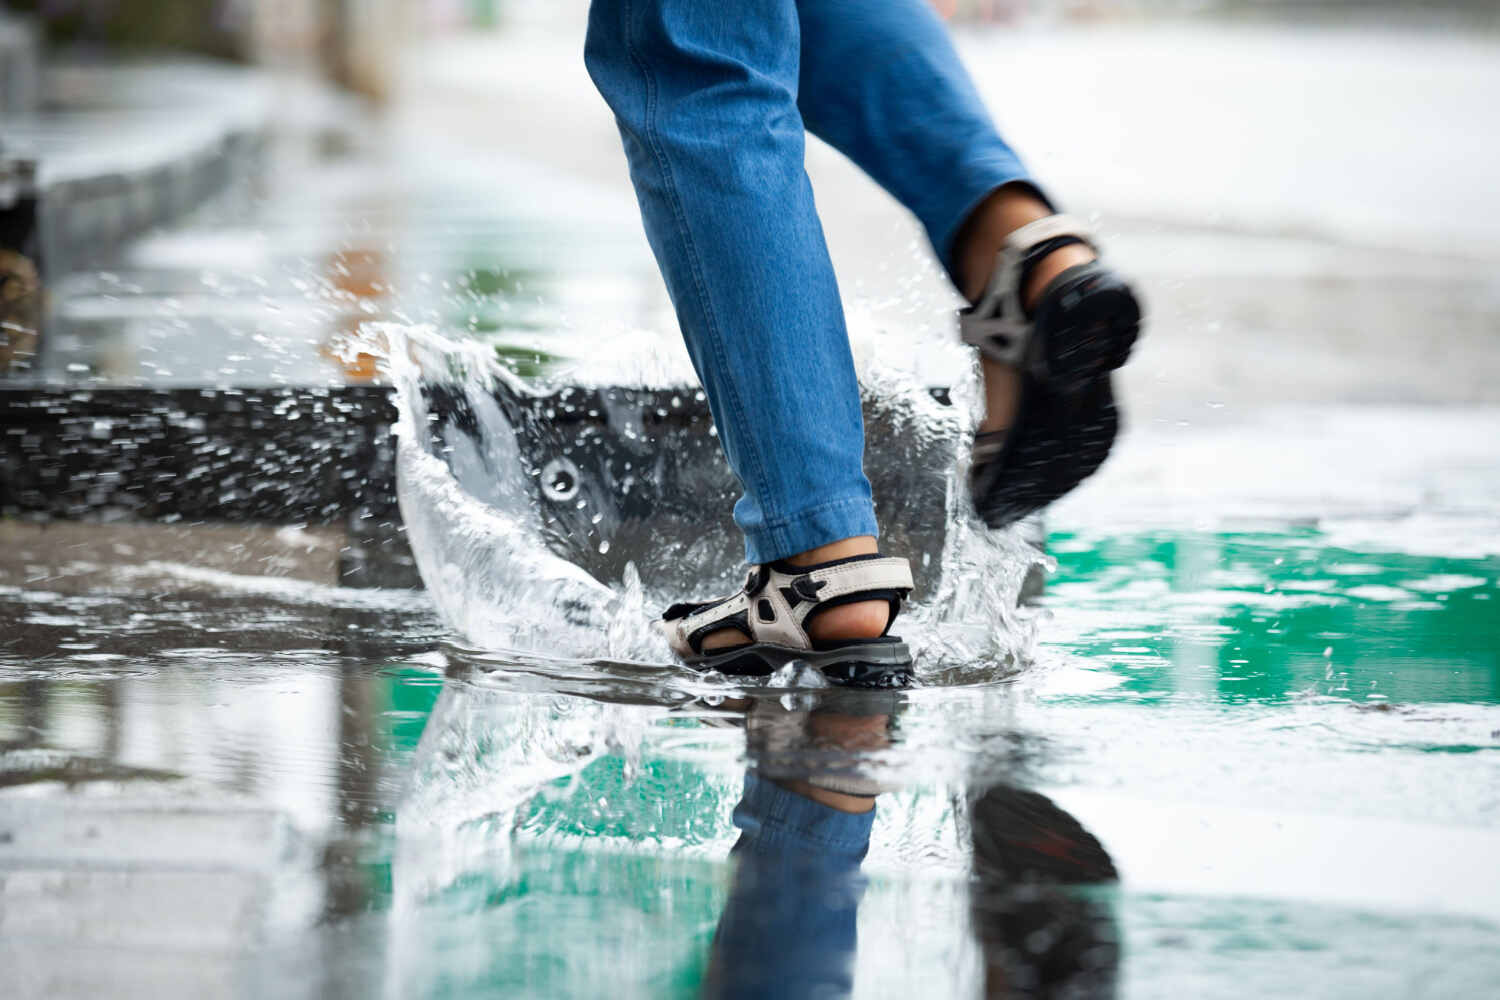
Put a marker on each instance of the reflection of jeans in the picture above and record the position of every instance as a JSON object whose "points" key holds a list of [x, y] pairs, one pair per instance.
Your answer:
{"points": [[712, 99], [787, 930]]}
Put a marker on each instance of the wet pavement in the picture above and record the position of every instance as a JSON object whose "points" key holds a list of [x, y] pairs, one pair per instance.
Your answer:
{"points": [[1248, 741], [222, 769]]}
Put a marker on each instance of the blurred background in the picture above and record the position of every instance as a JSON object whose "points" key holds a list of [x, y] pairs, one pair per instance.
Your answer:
{"points": [[218, 195], [1266, 670], [1267, 160]]}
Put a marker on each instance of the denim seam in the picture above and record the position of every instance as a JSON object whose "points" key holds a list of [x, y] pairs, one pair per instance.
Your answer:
{"points": [[777, 825], [806, 512], [690, 247], [773, 832], [778, 533]]}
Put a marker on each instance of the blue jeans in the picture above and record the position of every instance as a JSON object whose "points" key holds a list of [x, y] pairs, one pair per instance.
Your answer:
{"points": [[788, 927], [713, 98]]}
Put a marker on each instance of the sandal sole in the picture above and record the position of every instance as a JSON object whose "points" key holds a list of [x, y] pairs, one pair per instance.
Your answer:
{"points": [[1095, 339], [861, 665]]}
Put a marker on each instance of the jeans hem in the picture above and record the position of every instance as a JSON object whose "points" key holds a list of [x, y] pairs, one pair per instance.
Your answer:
{"points": [[770, 815], [810, 528]]}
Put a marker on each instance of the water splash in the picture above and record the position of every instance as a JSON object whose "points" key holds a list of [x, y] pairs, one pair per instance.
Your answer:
{"points": [[554, 518]]}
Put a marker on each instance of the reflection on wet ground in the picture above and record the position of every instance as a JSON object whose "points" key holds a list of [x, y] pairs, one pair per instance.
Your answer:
{"points": [[1240, 761]]}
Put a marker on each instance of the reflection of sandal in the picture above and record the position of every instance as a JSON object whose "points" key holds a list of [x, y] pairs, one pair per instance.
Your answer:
{"points": [[825, 739], [1082, 328], [774, 609]]}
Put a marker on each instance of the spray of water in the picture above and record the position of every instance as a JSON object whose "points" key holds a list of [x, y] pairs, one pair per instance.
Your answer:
{"points": [[555, 519]]}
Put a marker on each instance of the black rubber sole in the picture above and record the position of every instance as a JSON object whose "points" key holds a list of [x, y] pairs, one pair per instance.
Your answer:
{"points": [[1085, 329], [1067, 421], [879, 663]]}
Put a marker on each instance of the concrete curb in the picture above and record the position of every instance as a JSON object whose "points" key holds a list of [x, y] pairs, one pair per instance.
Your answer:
{"points": [[128, 149]]}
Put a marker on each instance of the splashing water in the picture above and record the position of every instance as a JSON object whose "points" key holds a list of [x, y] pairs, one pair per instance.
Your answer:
{"points": [[546, 519]]}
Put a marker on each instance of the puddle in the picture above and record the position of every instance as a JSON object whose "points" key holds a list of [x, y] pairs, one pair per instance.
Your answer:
{"points": [[559, 519], [1258, 756]]}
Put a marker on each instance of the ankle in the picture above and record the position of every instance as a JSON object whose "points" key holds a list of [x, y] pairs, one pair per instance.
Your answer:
{"points": [[983, 234], [859, 545]]}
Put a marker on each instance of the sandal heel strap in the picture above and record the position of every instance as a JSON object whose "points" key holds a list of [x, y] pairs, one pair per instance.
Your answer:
{"points": [[847, 579], [997, 324], [1047, 228]]}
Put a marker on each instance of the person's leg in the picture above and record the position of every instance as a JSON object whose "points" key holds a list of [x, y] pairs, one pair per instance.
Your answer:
{"points": [[789, 923], [882, 84], [788, 926], [705, 97]]}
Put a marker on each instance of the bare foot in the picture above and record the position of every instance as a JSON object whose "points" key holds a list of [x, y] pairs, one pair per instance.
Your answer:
{"points": [[855, 733], [978, 244], [860, 620]]}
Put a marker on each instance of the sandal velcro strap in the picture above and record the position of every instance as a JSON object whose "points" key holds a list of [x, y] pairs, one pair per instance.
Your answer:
{"points": [[779, 599], [998, 324]]}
